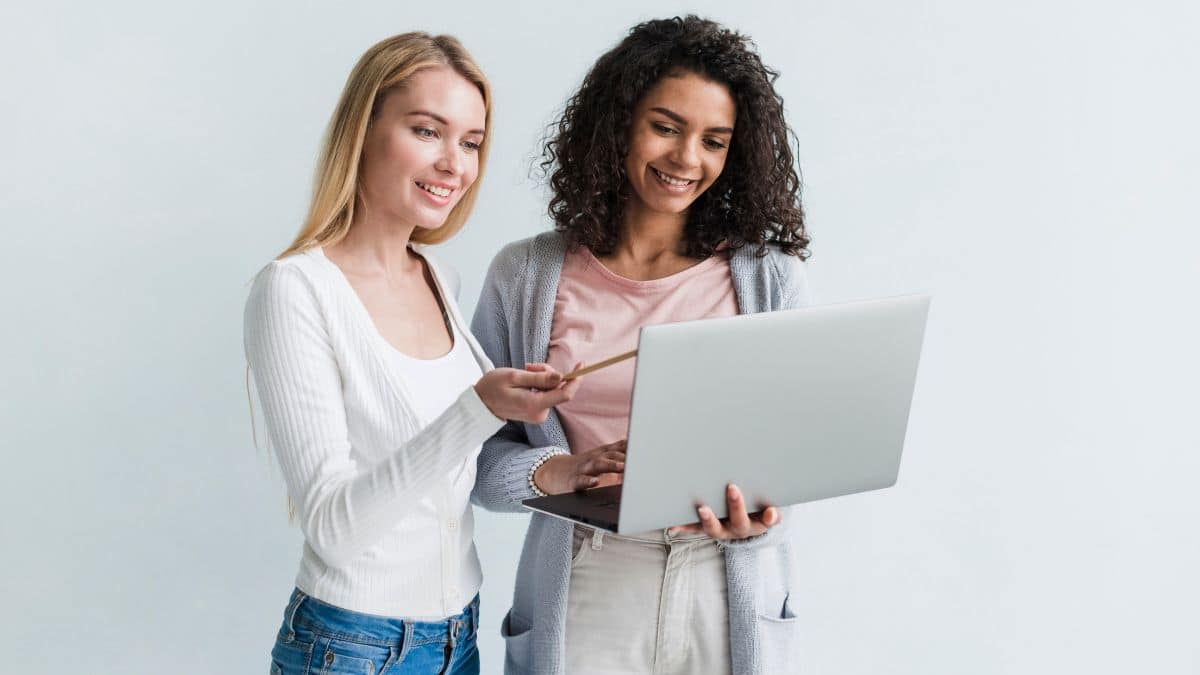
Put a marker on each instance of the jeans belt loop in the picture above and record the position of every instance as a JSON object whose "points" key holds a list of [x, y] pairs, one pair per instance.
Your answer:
{"points": [[597, 539], [291, 614]]}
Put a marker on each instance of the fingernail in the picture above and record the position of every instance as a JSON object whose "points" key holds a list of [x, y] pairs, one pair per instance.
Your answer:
{"points": [[734, 493], [705, 512]]}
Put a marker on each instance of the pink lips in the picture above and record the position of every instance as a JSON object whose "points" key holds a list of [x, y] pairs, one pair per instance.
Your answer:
{"points": [[437, 199]]}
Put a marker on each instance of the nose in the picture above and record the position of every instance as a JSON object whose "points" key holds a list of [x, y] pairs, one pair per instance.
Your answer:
{"points": [[450, 161], [686, 153]]}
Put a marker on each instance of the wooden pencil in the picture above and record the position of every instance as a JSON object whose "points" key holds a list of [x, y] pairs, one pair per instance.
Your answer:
{"points": [[597, 366]]}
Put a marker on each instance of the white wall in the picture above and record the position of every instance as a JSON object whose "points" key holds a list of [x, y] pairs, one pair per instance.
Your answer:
{"points": [[1032, 164]]}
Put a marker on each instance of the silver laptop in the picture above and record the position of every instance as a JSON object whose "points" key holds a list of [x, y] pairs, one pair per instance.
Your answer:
{"points": [[792, 406]]}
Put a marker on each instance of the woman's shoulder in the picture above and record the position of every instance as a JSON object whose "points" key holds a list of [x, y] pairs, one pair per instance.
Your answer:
{"points": [[516, 258], [309, 263], [785, 273], [790, 267], [774, 261], [288, 280]]}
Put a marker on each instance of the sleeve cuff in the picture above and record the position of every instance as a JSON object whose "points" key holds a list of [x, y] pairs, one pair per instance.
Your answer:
{"points": [[476, 406], [514, 477], [481, 420]]}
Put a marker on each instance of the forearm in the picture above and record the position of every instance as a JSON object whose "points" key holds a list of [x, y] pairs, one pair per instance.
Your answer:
{"points": [[344, 509], [502, 479]]}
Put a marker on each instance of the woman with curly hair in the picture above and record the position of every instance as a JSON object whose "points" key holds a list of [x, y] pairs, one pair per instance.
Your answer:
{"points": [[675, 197]]}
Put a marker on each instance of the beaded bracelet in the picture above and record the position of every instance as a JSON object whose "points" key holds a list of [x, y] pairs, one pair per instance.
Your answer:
{"points": [[537, 465]]}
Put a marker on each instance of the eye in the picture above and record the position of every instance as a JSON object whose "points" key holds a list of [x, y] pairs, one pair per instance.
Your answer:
{"points": [[714, 144], [425, 132], [471, 146], [663, 129]]}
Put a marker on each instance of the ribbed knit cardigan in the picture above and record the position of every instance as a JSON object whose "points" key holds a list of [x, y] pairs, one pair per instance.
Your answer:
{"points": [[512, 322]]}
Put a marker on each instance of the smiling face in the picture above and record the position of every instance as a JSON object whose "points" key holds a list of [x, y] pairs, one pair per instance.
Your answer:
{"points": [[678, 141], [421, 149]]}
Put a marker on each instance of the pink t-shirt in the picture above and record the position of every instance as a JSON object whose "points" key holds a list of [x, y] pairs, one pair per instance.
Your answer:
{"points": [[597, 314]]}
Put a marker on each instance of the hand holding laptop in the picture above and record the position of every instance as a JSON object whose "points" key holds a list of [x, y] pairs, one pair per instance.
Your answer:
{"points": [[739, 524]]}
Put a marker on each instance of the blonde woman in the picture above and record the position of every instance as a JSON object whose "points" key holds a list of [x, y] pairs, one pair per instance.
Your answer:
{"points": [[376, 397]]}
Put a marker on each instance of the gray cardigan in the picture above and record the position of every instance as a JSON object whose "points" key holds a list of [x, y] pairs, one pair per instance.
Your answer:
{"points": [[512, 322]]}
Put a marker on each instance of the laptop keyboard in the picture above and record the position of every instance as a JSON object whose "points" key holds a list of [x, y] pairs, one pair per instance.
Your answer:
{"points": [[607, 499]]}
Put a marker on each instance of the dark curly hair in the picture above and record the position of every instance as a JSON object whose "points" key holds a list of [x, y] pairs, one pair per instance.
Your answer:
{"points": [[755, 200]]}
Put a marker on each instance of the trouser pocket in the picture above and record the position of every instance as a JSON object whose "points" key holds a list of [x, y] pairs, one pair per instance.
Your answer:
{"points": [[341, 657]]}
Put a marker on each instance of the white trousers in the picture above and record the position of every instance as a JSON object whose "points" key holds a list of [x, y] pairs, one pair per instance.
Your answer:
{"points": [[646, 604]]}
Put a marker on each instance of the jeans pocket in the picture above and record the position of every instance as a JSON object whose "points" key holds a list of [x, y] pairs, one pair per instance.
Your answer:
{"points": [[290, 658], [340, 657]]}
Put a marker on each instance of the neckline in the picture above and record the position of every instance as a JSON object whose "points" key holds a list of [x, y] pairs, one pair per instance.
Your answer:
{"points": [[451, 324], [456, 346], [647, 285]]}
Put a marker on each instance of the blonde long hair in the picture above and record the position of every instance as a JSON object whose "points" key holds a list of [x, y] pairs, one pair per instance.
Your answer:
{"points": [[385, 66]]}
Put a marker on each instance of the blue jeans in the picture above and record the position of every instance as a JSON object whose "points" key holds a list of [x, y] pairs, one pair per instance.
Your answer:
{"points": [[317, 637]]}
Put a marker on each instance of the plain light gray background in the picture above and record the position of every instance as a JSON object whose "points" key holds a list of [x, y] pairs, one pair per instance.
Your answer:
{"points": [[1032, 164]]}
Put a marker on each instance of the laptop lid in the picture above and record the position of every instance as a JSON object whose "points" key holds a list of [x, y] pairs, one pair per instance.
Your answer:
{"points": [[792, 406]]}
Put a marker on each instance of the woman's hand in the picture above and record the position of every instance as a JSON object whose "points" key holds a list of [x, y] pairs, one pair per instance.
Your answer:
{"points": [[596, 467], [524, 395], [739, 524]]}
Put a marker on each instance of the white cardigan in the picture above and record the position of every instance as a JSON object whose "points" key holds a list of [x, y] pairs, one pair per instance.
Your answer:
{"points": [[378, 494]]}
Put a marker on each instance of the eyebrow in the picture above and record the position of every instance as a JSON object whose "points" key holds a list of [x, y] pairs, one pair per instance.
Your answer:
{"points": [[679, 120], [441, 120]]}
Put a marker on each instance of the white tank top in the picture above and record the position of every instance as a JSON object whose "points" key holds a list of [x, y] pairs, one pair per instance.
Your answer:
{"points": [[442, 523]]}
